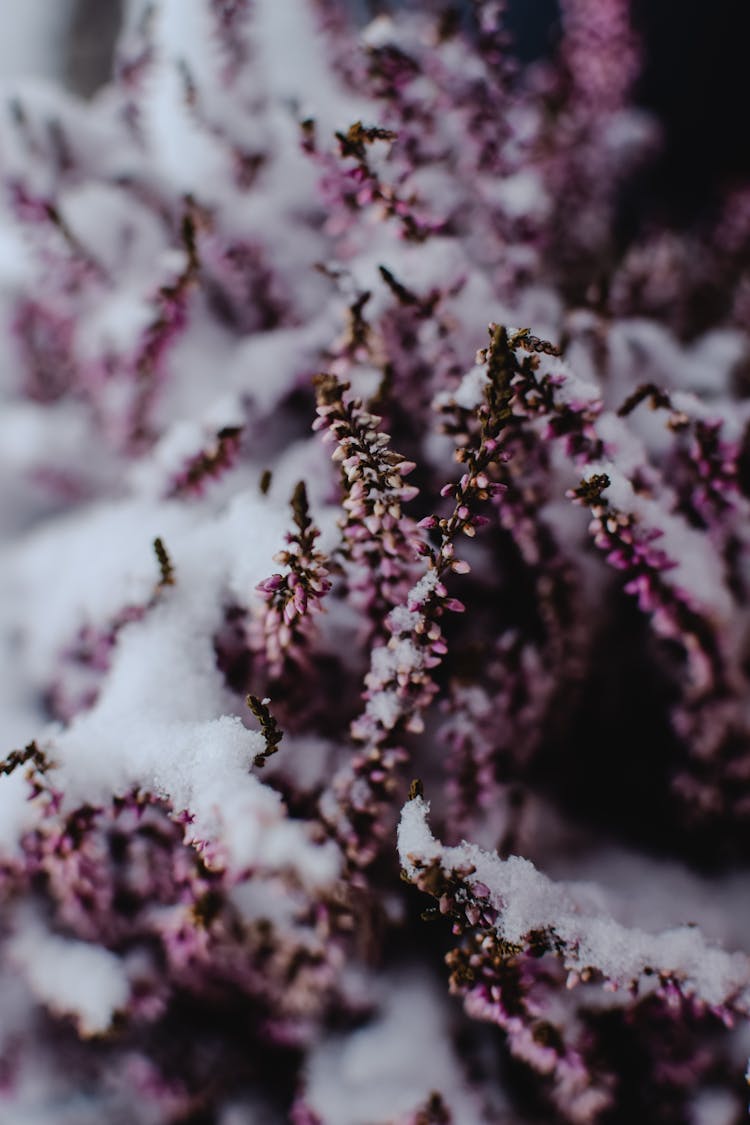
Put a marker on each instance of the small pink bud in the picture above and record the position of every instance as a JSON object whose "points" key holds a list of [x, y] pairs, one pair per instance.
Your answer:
{"points": [[270, 585]]}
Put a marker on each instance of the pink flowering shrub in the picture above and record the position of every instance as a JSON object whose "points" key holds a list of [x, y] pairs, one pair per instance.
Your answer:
{"points": [[374, 585]]}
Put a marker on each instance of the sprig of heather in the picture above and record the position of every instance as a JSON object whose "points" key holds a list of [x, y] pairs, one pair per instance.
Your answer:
{"points": [[30, 754], [122, 876], [538, 413], [379, 541], [529, 673], [531, 954], [429, 598], [415, 224], [45, 320], [282, 631], [714, 465], [400, 686], [551, 406], [350, 187], [632, 547], [209, 464], [166, 567], [703, 464], [641, 537], [270, 729]]}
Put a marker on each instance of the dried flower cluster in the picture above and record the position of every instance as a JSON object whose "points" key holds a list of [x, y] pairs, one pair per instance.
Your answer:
{"points": [[515, 567]]}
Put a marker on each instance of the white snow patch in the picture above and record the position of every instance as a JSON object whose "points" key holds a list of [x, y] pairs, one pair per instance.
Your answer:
{"points": [[390, 1067], [70, 977]]}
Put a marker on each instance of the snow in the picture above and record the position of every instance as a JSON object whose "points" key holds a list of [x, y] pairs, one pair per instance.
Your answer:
{"points": [[705, 366], [30, 36], [403, 620], [529, 901], [296, 69], [380, 32], [390, 1067], [385, 706], [72, 978], [521, 194], [469, 394], [422, 589], [714, 1107]]}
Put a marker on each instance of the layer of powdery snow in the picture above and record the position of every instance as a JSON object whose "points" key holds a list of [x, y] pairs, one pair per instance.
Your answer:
{"points": [[389, 1068], [72, 978], [182, 31], [528, 901], [656, 894], [469, 394], [704, 366]]}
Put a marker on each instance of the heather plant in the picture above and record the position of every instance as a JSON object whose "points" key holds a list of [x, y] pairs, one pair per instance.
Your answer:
{"points": [[374, 613]]}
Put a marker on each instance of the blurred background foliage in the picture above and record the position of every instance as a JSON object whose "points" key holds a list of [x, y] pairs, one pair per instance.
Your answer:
{"points": [[694, 79]]}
